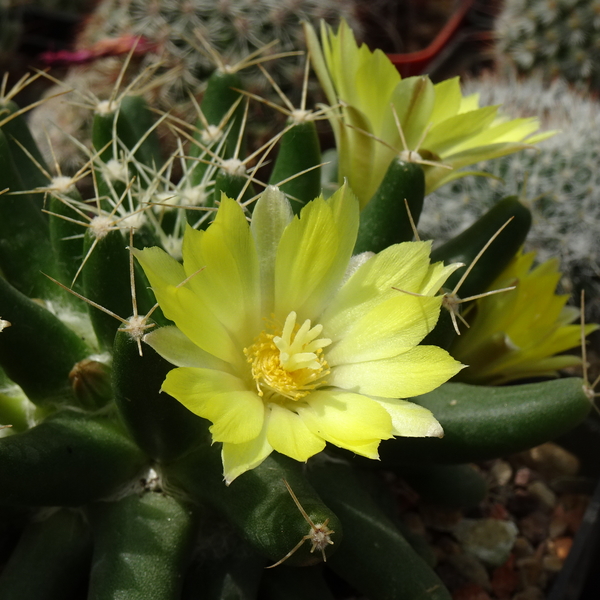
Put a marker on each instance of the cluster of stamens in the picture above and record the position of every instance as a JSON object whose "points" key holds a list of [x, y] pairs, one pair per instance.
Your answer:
{"points": [[291, 363]]}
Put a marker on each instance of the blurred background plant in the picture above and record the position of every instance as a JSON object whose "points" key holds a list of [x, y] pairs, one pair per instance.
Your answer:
{"points": [[551, 38], [558, 180]]}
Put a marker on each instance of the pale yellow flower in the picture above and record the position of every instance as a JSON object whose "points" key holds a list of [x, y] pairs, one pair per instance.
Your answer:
{"points": [[436, 118], [281, 347], [518, 334]]}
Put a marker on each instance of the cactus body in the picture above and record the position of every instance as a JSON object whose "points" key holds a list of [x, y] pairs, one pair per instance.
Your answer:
{"points": [[141, 503]]}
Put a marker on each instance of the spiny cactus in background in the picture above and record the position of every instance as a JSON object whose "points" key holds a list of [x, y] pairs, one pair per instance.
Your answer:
{"points": [[270, 344], [189, 40], [233, 29], [559, 180], [557, 38]]}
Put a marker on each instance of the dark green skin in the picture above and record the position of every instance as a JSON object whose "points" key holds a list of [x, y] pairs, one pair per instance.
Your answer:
{"points": [[465, 246], [443, 334], [374, 557], [106, 281], [288, 583], [135, 120], [384, 220], [50, 561], [69, 459], [68, 252], [482, 423], [38, 350], [102, 135], [235, 575], [231, 186], [25, 250], [160, 425], [17, 130], [142, 545], [451, 486], [385, 498], [299, 149], [219, 97], [257, 503]]}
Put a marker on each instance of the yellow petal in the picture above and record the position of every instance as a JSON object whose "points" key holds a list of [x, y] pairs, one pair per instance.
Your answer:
{"points": [[188, 311], [356, 153], [413, 99], [318, 61], [160, 268], [237, 417], [346, 419], [410, 419], [448, 98], [313, 254], [239, 458], [197, 322], [442, 138], [412, 373], [389, 328], [223, 268], [272, 214], [509, 131], [236, 413], [404, 266], [375, 100], [180, 351], [289, 435]]}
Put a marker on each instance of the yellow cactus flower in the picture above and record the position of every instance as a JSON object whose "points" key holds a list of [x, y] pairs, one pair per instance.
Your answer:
{"points": [[282, 346], [361, 87], [517, 334]]}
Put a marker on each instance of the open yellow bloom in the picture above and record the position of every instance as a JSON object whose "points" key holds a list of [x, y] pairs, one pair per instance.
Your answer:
{"points": [[281, 347], [516, 334], [445, 126]]}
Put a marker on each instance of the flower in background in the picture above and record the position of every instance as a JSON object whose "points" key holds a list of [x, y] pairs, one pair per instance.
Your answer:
{"points": [[282, 347], [361, 86], [517, 334]]}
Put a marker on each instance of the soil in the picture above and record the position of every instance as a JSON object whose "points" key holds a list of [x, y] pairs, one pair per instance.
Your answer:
{"points": [[537, 499]]}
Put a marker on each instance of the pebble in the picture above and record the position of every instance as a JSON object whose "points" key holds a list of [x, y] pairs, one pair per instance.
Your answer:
{"points": [[490, 540], [522, 548], [501, 472], [471, 569], [530, 569], [522, 477], [535, 527], [414, 522], [540, 491], [529, 593], [551, 461], [470, 591], [561, 547], [552, 564], [439, 518], [505, 579]]}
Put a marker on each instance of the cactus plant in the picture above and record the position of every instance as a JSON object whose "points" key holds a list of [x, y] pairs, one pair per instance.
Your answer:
{"points": [[188, 40], [555, 39], [170, 439], [557, 180]]}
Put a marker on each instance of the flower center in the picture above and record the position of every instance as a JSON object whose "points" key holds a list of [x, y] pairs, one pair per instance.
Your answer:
{"points": [[292, 363]]}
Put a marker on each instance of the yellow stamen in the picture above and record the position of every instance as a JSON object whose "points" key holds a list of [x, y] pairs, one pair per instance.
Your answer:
{"points": [[292, 363]]}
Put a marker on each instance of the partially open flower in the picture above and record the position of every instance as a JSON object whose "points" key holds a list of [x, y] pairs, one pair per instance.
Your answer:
{"points": [[283, 347], [517, 334], [436, 119]]}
